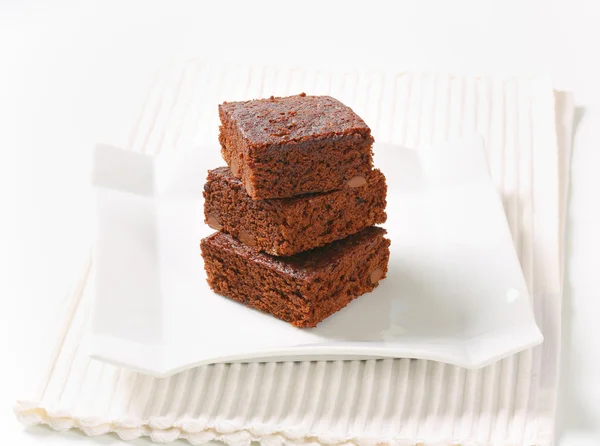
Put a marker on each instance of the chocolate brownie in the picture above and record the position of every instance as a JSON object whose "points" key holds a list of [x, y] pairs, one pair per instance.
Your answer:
{"points": [[286, 226], [303, 289], [282, 147]]}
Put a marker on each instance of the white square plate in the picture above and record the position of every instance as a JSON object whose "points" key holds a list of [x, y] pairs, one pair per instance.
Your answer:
{"points": [[454, 291]]}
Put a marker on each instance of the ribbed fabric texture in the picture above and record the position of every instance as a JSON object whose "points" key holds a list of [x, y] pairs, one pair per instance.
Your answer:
{"points": [[400, 402]]}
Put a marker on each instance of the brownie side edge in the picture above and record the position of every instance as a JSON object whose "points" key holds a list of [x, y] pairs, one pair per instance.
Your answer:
{"points": [[287, 226]]}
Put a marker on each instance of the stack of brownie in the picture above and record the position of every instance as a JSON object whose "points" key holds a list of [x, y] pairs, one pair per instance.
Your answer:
{"points": [[295, 208]]}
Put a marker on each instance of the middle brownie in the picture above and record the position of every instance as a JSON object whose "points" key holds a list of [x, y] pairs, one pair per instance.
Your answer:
{"points": [[286, 226]]}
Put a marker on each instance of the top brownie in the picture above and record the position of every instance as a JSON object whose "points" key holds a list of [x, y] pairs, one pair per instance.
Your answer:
{"points": [[282, 147]]}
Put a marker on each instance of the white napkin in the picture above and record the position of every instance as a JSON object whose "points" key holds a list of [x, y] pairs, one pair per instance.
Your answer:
{"points": [[402, 401]]}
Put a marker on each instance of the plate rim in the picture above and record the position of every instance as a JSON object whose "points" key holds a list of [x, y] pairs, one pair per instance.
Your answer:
{"points": [[103, 347]]}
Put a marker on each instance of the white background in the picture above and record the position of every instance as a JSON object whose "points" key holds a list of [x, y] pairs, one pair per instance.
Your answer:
{"points": [[75, 73]]}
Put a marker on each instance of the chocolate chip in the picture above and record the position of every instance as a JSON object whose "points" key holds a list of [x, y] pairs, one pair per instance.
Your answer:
{"points": [[235, 166], [246, 238], [357, 181], [213, 222], [302, 94], [376, 275], [249, 188]]}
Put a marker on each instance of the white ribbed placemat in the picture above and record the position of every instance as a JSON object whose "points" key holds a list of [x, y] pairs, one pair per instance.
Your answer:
{"points": [[402, 401]]}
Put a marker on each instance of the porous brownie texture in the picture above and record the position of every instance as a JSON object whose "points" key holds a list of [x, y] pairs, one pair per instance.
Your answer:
{"points": [[303, 289], [282, 147], [287, 226]]}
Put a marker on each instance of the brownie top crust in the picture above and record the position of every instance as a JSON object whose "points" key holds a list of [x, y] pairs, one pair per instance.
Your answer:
{"points": [[277, 121], [308, 263]]}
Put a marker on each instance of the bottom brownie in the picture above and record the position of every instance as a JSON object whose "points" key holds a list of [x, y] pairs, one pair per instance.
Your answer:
{"points": [[302, 289]]}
